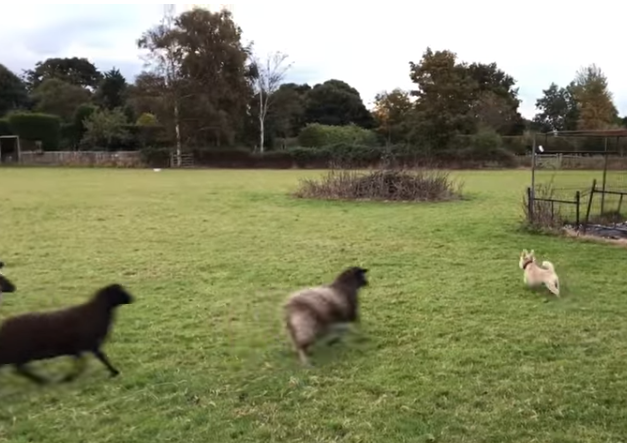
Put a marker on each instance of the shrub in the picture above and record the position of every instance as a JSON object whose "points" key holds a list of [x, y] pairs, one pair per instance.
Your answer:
{"points": [[310, 157], [81, 113], [315, 135], [542, 215], [155, 157], [485, 147], [37, 127], [147, 119], [147, 135], [70, 136], [354, 155], [105, 129], [516, 144], [394, 184]]}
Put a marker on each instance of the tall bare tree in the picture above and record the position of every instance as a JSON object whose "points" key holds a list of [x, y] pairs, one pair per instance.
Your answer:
{"points": [[164, 57], [269, 76]]}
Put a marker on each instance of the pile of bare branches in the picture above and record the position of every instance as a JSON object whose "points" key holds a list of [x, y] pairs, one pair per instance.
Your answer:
{"points": [[388, 184]]}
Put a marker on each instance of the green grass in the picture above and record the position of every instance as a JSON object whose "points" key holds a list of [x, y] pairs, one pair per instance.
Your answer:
{"points": [[452, 347]]}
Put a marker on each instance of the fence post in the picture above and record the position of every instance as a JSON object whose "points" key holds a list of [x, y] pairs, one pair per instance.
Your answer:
{"points": [[592, 190], [578, 202], [530, 204]]}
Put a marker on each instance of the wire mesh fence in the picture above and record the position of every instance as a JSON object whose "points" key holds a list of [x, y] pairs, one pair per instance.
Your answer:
{"points": [[577, 190]]}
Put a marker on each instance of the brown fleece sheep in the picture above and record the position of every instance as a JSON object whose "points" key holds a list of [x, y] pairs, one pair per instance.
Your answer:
{"points": [[315, 312], [66, 332], [5, 284]]}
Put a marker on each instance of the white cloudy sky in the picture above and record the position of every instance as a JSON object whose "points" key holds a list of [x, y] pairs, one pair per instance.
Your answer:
{"points": [[369, 47]]}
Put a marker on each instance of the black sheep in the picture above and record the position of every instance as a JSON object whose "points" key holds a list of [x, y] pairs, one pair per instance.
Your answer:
{"points": [[66, 332], [5, 284]]}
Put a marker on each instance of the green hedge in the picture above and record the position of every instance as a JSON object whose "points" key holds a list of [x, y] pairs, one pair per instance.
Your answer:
{"points": [[5, 127], [37, 127], [315, 135], [482, 150]]}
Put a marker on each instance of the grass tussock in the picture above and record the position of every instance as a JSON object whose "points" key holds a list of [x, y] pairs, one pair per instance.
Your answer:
{"points": [[390, 184]]}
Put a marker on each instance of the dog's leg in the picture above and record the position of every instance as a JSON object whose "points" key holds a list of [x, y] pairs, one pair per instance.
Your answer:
{"points": [[79, 368], [552, 286], [557, 287], [105, 361], [22, 370]]}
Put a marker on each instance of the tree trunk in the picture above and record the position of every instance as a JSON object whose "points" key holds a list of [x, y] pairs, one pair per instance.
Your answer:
{"points": [[261, 134], [177, 130], [261, 122]]}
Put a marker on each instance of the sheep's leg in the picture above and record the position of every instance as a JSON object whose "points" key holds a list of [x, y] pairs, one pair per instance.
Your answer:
{"points": [[105, 361], [22, 370], [79, 368]]}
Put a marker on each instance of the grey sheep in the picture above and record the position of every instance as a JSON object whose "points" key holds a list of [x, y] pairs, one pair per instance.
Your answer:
{"points": [[316, 312]]}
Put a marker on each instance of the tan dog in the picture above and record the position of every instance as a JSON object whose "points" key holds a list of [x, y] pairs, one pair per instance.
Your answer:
{"points": [[535, 275]]}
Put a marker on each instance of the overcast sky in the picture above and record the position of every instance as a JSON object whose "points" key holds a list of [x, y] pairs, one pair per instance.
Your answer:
{"points": [[368, 45]]}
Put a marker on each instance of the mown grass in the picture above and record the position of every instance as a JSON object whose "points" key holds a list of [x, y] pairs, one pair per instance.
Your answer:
{"points": [[452, 347]]}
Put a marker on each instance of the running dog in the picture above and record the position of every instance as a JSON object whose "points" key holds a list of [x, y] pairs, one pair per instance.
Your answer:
{"points": [[535, 275]]}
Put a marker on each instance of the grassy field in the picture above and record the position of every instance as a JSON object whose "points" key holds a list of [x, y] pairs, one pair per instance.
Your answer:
{"points": [[452, 347]]}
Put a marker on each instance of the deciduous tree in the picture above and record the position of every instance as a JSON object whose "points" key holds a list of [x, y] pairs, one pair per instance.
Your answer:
{"points": [[213, 77], [594, 99], [164, 59], [496, 102], [558, 109], [54, 96], [268, 75], [458, 98], [391, 111], [13, 94], [445, 92], [336, 103], [287, 116], [75, 71]]}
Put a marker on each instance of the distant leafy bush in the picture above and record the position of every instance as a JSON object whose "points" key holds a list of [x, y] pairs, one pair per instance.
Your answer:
{"points": [[147, 119], [315, 135]]}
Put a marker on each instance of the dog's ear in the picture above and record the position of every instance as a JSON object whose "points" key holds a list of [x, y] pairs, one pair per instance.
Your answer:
{"points": [[532, 253]]}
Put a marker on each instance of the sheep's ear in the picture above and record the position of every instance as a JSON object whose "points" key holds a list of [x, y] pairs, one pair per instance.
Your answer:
{"points": [[1, 265]]}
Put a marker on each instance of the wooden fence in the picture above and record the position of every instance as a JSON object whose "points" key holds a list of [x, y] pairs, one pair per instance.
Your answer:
{"points": [[119, 159]]}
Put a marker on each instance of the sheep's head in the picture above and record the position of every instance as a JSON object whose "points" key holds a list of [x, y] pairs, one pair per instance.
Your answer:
{"points": [[115, 295], [5, 284]]}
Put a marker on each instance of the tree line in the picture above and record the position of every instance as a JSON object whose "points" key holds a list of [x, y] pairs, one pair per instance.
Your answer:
{"points": [[202, 87]]}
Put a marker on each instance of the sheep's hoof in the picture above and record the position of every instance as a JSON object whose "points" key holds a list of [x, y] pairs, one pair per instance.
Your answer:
{"points": [[115, 374]]}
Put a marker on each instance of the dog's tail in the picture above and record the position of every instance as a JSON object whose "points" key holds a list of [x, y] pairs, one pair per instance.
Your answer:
{"points": [[548, 265]]}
